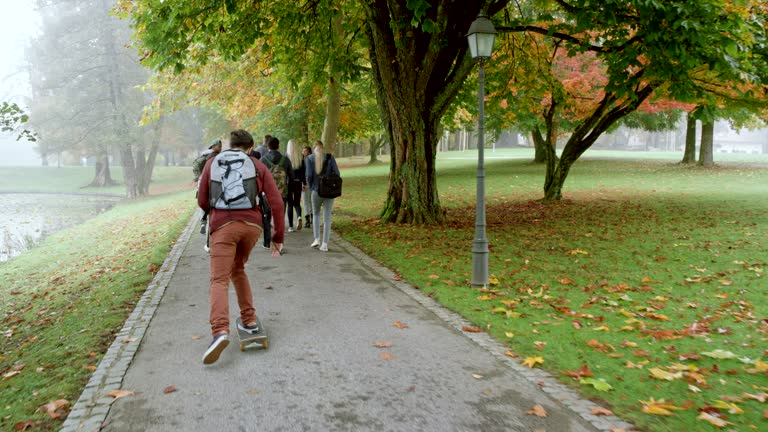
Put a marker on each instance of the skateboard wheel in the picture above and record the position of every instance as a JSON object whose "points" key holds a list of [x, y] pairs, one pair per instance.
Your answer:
{"points": [[264, 345], [242, 347]]}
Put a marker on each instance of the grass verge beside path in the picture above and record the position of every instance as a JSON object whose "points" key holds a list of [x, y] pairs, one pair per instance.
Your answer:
{"points": [[64, 301], [646, 289], [74, 179]]}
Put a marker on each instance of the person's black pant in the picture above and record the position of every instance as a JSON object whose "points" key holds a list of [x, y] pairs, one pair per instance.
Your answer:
{"points": [[294, 202]]}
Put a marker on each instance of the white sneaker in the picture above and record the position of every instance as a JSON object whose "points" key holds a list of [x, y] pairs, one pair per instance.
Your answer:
{"points": [[324, 247], [290, 229], [315, 243]]}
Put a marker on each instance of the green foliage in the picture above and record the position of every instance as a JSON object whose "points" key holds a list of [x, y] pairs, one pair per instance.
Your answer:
{"points": [[12, 119], [654, 122]]}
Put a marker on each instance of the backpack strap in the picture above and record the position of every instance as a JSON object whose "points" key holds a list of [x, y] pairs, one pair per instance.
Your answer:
{"points": [[325, 163]]}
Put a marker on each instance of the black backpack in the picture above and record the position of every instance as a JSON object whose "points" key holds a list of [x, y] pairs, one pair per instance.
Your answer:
{"points": [[329, 184]]}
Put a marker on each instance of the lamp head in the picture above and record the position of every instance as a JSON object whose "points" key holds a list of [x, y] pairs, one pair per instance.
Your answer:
{"points": [[481, 36]]}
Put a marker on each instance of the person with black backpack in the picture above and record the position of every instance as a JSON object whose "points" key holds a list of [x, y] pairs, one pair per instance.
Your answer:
{"points": [[320, 164], [282, 171], [233, 186]]}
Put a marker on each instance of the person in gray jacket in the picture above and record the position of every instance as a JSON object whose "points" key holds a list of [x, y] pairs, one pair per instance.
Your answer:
{"points": [[261, 151], [315, 163]]}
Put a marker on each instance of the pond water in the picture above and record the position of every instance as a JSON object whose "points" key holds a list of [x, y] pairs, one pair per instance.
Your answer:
{"points": [[25, 219]]}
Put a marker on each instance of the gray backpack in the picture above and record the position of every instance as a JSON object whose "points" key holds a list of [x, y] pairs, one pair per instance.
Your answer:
{"points": [[233, 181]]}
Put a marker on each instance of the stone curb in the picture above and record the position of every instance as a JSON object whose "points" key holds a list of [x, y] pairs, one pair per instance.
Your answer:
{"points": [[558, 392], [91, 409]]}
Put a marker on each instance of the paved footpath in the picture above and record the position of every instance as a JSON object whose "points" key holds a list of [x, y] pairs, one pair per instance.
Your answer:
{"points": [[324, 312]]}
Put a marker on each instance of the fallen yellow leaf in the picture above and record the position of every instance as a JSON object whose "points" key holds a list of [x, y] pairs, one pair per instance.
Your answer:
{"points": [[531, 362], [658, 407], [664, 375], [731, 407]]}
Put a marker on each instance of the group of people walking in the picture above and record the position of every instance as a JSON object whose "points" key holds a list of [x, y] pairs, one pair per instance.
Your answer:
{"points": [[232, 185]]}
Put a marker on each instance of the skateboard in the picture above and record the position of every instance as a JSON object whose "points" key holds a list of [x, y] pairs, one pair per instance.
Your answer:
{"points": [[248, 340]]}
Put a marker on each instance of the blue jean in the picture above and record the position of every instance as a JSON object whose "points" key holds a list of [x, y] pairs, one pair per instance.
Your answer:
{"points": [[327, 205]]}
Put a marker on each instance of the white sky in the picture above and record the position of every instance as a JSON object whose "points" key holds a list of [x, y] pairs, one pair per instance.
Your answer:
{"points": [[18, 23]]}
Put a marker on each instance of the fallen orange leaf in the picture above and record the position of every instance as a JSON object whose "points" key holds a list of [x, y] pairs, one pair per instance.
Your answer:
{"points": [[56, 408], [600, 411], [117, 394], [509, 353], [400, 325], [382, 344], [538, 411], [471, 329], [386, 356], [169, 389]]}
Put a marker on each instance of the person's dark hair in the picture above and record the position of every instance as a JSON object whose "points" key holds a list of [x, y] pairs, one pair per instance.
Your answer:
{"points": [[240, 139], [308, 149], [273, 143], [267, 138]]}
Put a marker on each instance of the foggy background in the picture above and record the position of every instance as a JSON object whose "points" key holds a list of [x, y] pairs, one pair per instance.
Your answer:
{"points": [[18, 23]]}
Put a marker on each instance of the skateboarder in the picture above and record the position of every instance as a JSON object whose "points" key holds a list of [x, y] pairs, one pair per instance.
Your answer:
{"points": [[229, 186]]}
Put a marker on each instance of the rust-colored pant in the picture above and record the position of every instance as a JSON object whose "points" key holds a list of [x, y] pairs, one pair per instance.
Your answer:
{"points": [[230, 247]]}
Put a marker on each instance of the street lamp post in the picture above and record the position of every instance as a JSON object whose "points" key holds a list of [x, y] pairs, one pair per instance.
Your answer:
{"points": [[481, 37]]}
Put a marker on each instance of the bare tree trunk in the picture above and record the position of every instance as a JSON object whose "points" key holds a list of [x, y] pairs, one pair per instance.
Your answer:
{"points": [[332, 111], [102, 176], [689, 156], [375, 144], [149, 166], [333, 105], [540, 155], [706, 153]]}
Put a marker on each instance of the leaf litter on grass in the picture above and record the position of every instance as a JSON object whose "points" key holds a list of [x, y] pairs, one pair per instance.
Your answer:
{"points": [[639, 290]]}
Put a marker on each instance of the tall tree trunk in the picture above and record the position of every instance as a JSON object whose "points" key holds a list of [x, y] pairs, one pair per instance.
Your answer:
{"points": [[333, 104], [376, 142], [149, 166], [417, 74], [706, 153], [129, 171], [540, 155], [102, 177], [332, 112], [689, 156]]}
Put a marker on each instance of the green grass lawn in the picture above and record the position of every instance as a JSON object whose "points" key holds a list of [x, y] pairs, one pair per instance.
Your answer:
{"points": [[64, 300], [648, 277]]}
